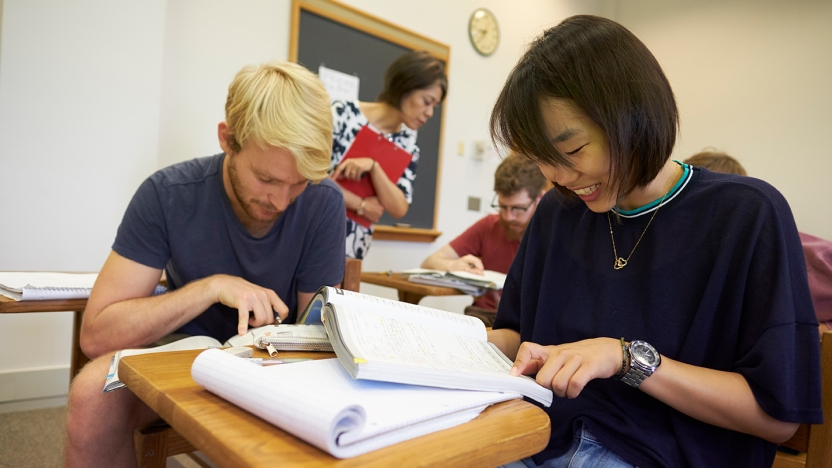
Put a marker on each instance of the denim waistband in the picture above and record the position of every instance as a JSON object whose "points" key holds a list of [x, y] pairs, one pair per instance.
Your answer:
{"points": [[585, 433]]}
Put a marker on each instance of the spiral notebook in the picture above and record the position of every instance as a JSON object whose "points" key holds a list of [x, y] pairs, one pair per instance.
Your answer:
{"points": [[40, 286], [45, 286], [319, 402]]}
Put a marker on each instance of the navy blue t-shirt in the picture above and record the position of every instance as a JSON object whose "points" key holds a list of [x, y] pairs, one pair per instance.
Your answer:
{"points": [[717, 281], [181, 219]]}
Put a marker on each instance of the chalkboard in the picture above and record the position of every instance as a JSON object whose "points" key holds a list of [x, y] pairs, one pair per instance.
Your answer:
{"points": [[350, 41]]}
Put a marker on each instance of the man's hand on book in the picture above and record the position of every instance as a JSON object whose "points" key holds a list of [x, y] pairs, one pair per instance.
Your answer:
{"points": [[353, 168], [255, 305], [468, 263], [567, 368]]}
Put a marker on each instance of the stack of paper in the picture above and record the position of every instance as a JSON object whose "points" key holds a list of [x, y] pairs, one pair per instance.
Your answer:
{"points": [[403, 370], [469, 283], [320, 403]]}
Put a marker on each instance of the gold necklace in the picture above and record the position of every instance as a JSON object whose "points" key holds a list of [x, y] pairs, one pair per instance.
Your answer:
{"points": [[622, 262]]}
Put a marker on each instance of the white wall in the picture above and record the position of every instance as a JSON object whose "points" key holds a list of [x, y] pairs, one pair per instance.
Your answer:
{"points": [[96, 95], [79, 118], [751, 78]]}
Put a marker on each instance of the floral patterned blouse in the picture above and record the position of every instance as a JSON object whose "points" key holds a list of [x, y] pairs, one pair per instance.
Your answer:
{"points": [[347, 120]]}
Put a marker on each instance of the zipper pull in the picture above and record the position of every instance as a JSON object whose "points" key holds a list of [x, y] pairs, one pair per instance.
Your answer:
{"points": [[271, 349]]}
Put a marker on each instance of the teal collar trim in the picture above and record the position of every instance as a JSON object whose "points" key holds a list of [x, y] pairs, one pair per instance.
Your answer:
{"points": [[655, 203]]}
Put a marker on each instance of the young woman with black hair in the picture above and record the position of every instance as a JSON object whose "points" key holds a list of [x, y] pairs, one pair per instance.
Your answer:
{"points": [[666, 305]]}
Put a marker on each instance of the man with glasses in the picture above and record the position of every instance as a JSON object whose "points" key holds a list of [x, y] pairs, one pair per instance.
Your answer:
{"points": [[492, 242]]}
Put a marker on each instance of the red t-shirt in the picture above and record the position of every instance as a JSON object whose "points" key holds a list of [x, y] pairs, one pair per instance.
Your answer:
{"points": [[487, 240], [818, 253]]}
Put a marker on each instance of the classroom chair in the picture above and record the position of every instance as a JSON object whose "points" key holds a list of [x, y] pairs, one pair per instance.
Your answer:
{"points": [[156, 442], [814, 441]]}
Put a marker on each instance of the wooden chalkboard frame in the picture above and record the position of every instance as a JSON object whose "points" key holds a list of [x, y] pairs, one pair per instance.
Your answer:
{"points": [[382, 29]]}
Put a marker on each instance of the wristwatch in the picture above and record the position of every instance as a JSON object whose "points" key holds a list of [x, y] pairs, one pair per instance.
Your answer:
{"points": [[360, 210], [644, 360]]}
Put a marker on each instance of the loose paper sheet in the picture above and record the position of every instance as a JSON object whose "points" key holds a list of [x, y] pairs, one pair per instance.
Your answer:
{"points": [[338, 84]]}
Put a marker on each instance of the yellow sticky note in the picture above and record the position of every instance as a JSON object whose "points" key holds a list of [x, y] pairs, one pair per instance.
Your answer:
{"points": [[360, 361]]}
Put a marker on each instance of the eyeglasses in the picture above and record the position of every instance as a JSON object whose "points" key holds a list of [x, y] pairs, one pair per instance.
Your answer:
{"points": [[515, 210]]}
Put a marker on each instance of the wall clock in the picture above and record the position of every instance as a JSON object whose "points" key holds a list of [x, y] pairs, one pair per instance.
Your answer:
{"points": [[483, 31]]}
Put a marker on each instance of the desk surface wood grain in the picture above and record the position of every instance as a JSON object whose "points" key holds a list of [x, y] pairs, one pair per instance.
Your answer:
{"points": [[232, 437], [10, 306]]}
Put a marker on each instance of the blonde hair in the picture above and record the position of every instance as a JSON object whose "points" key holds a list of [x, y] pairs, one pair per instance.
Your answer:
{"points": [[284, 105]]}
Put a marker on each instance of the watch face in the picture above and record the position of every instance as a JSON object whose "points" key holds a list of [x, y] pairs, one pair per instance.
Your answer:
{"points": [[483, 31], [644, 353]]}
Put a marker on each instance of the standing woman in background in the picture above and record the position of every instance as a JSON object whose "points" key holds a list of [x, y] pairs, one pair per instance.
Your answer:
{"points": [[414, 84], [666, 305]]}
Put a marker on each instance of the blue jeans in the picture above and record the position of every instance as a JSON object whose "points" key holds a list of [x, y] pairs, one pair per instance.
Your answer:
{"points": [[586, 452]]}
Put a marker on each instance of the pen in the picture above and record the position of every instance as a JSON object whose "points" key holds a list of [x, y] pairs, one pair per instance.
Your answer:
{"points": [[273, 362]]}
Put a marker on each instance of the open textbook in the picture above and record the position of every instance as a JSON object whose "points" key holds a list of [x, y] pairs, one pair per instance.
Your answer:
{"points": [[320, 403], [392, 341], [283, 337]]}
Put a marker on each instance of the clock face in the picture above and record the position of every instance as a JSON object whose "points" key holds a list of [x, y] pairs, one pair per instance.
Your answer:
{"points": [[483, 31]]}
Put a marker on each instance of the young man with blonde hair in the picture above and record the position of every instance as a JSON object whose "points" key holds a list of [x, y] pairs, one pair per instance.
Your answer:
{"points": [[492, 242], [244, 237]]}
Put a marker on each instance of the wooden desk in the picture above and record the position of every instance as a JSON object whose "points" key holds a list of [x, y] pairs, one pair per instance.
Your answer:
{"points": [[9, 306], [232, 437], [408, 292]]}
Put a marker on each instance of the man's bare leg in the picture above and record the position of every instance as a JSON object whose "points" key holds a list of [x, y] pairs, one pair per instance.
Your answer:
{"points": [[99, 426]]}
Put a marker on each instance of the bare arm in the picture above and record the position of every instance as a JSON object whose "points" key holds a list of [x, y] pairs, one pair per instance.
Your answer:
{"points": [[719, 398], [350, 199], [389, 195], [371, 209], [121, 313], [506, 340], [446, 259]]}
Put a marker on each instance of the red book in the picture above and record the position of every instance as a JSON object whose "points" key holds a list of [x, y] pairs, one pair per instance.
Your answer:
{"points": [[391, 158]]}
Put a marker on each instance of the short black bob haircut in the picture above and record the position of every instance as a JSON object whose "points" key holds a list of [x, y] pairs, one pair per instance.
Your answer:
{"points": [[412, 71], [606, 71]]}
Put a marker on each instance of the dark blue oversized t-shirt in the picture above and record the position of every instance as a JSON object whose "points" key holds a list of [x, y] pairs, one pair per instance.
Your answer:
{"points": [[717, 281], [180, 219]]}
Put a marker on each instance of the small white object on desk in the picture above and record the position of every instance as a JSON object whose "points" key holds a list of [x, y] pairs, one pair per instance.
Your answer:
{"points": [[240, 351]]}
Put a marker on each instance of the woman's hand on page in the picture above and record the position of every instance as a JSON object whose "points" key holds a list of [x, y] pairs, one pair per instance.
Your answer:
{"points": [[567, 368], [373, 209], [255, 305], [353, 168]]}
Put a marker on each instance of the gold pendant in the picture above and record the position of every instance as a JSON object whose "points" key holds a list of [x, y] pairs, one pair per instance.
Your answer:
{"points": [[619, 263]]}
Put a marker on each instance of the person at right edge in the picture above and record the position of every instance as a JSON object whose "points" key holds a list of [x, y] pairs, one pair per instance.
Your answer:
{"points": [[666, 306], [414, 84], [817, 251]]}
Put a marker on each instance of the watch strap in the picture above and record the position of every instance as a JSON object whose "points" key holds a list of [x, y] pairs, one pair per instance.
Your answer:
{"points": [[634, 377]]}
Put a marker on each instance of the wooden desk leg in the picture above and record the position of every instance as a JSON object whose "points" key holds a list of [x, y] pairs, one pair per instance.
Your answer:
{"points": [[409, 297], [78, 356]]}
